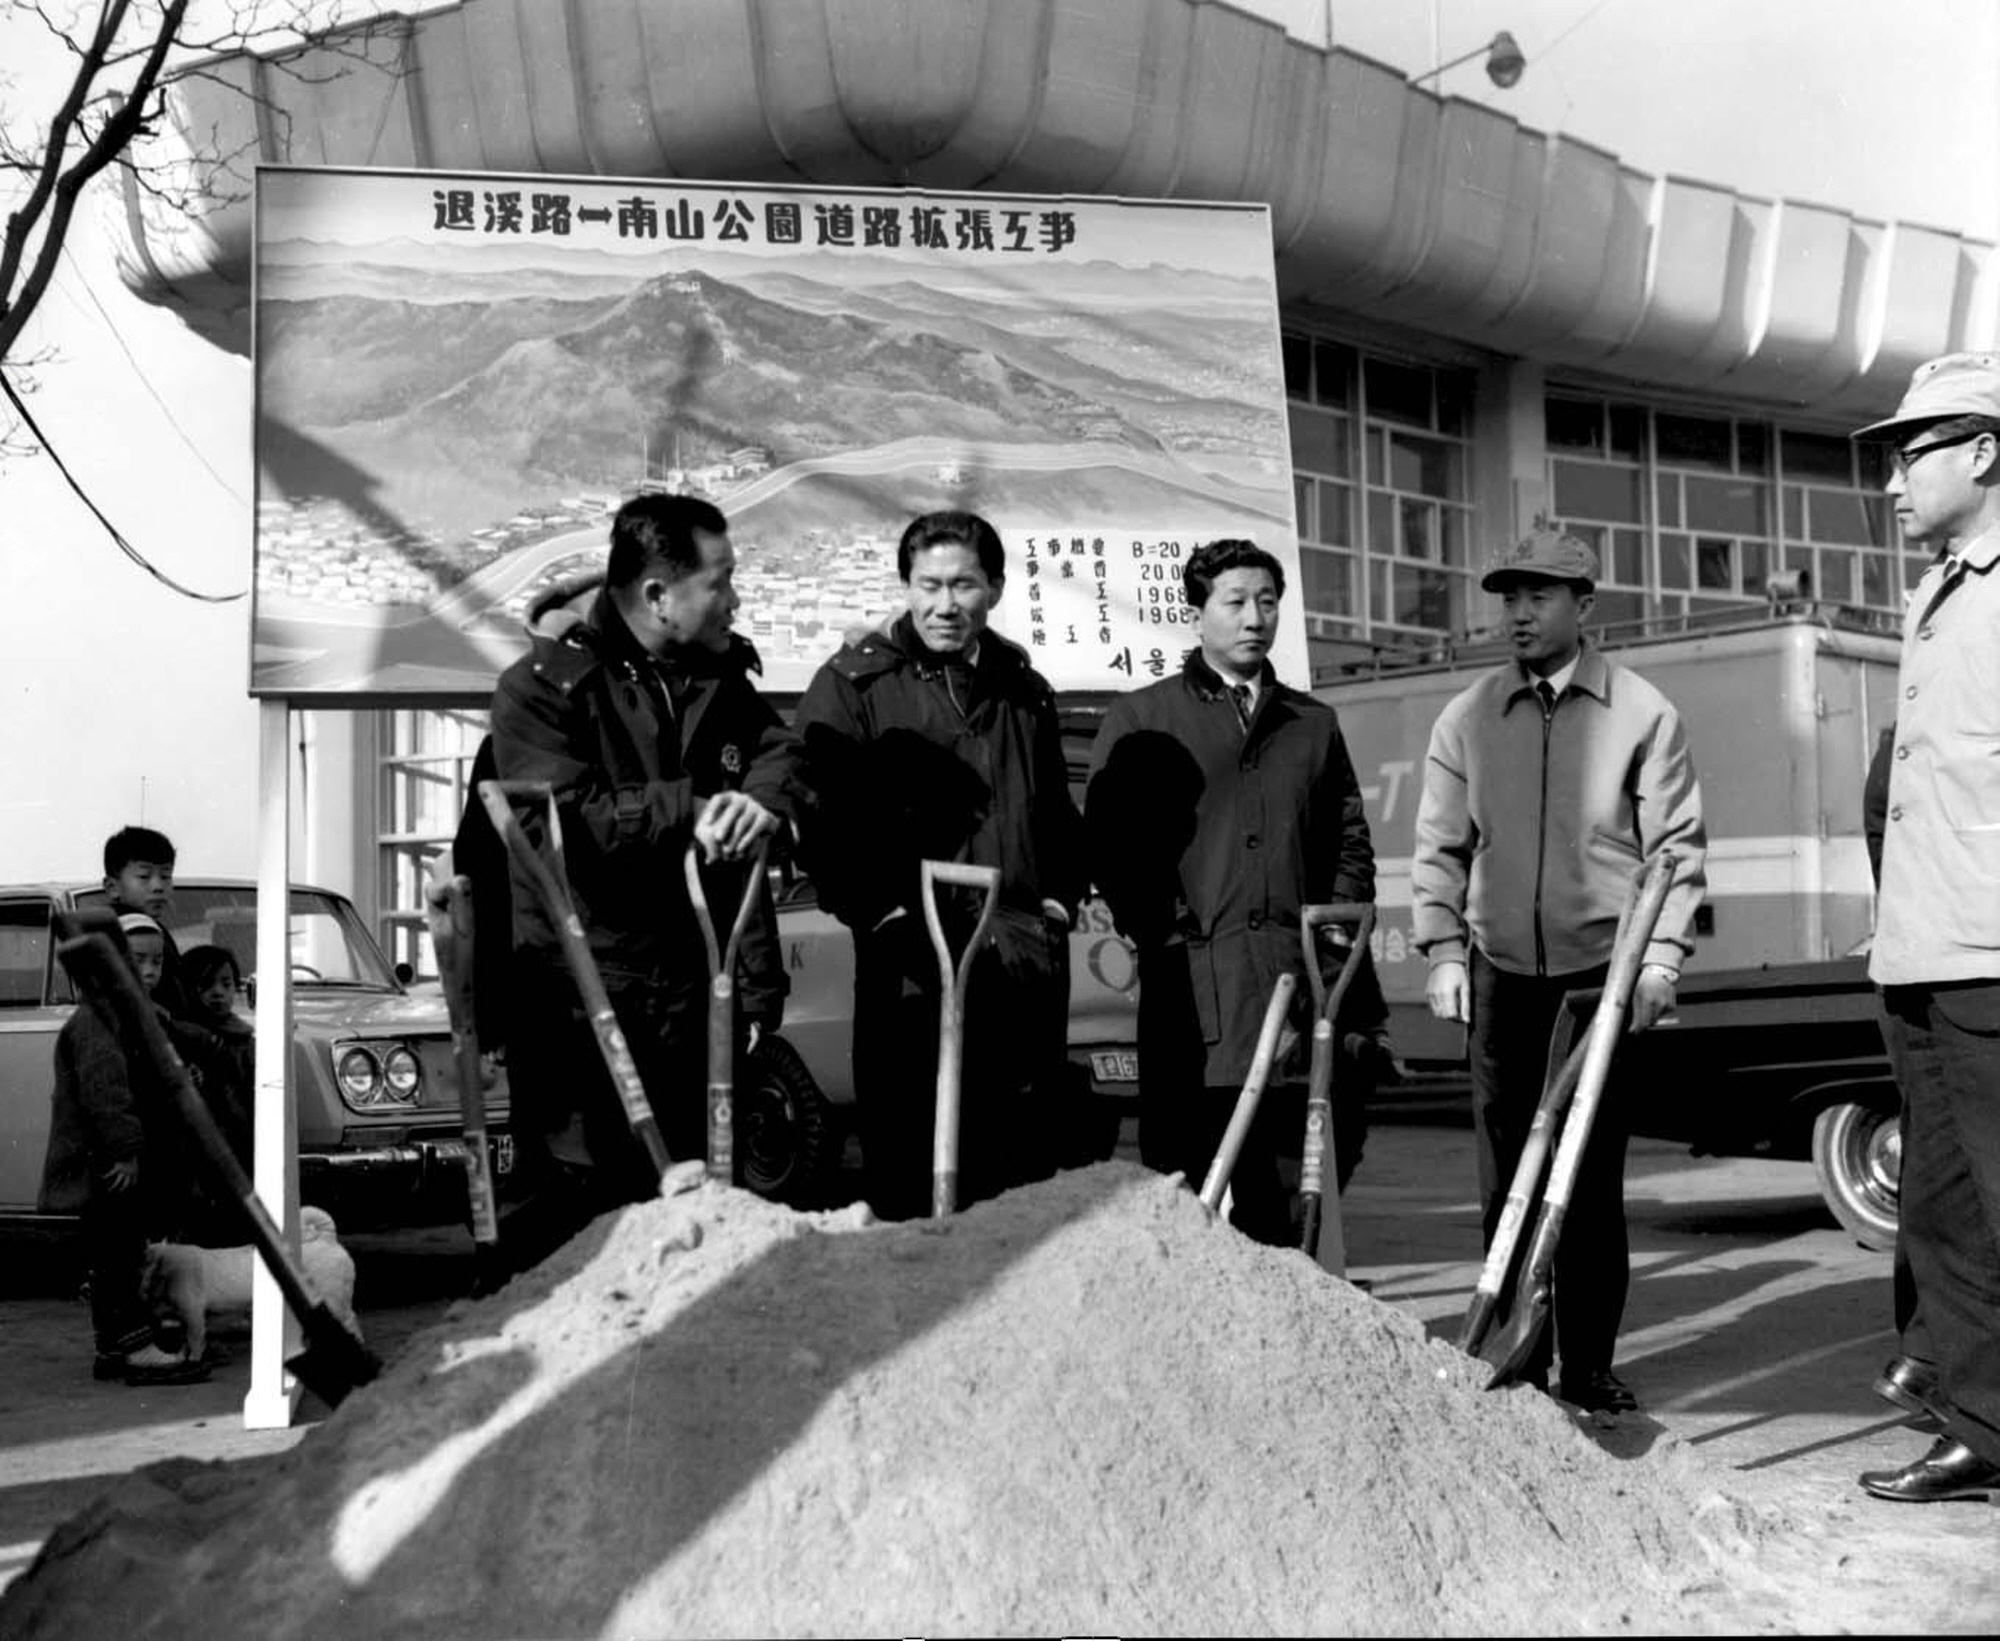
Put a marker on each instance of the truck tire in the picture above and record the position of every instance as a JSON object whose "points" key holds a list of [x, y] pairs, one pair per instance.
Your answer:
{"points": [[788, 1136], [1857, 1153]]}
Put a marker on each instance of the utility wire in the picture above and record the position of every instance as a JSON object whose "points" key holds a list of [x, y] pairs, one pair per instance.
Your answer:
{"points": [[145, 382], [110, 529], [1541, 55]]}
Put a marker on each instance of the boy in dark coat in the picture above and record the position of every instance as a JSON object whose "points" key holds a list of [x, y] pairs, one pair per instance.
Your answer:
{"points": [[640, 712], [937, 740], [1221, 802], [113, 1161]]}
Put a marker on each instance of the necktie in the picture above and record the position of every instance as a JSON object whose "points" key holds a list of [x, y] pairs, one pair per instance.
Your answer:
{"points": [[1240, 694], [1548, 694]]}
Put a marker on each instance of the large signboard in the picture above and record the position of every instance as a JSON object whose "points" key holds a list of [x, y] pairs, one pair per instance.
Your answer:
{"points": [[459, 379]]}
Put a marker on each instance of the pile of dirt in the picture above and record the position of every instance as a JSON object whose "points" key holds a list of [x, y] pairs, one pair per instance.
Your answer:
{"points": [[1086, 1407]]}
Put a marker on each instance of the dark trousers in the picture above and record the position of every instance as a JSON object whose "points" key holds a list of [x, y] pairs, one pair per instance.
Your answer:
{"points": [[556, 1070], [1011, 1065], [1181, 1125], [1512, 1016], [1944, 1042], [114, 1230]]}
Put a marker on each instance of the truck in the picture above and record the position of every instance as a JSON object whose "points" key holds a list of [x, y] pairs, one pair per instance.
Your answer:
{"points": [[1773, 1047]]}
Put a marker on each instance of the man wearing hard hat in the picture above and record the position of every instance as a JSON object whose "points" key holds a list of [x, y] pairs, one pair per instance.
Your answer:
{"points": [[1936, 955]]}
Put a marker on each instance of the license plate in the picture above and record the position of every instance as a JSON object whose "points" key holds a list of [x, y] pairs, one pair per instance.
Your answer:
{"points": [[1120, 1066], [503, 1153]]}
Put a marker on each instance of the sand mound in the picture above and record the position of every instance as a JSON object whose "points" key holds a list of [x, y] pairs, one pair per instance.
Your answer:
{"points": [[1083, 1408]]}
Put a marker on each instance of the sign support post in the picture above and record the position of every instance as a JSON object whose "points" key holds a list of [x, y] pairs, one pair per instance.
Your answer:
{"points": [[273, 1396]]}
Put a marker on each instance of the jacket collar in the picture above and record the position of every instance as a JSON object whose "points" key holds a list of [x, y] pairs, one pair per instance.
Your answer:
{"points": [[1210, 685], [1979, 553], [999, 660], [1592, 677]]}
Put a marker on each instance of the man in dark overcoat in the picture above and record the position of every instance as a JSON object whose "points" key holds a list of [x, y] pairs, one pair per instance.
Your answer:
{"points": [[1221, 801]]}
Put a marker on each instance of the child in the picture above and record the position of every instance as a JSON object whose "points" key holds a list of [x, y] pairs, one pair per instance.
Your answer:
{"points": [[223, 1042], [139, 877], [112, 1160]]}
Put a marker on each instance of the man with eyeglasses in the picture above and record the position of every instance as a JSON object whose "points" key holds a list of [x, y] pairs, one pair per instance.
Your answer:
{"points": [[1936, 954]]}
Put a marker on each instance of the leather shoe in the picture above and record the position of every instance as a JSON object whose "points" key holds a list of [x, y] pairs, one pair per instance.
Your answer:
{"points": [[1912, 1385], [1950, 1470], [1599, 1391]]}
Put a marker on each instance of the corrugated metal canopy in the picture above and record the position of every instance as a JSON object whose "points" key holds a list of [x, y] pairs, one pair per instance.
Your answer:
{"points": [[1387, 201]]}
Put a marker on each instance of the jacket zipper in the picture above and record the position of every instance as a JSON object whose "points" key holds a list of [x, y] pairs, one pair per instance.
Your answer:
{"points": [[1542, 838]]}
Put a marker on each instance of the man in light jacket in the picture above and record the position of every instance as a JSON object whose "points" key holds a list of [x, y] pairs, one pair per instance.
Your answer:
{"points": [[1548, 784], [1936, 954]]}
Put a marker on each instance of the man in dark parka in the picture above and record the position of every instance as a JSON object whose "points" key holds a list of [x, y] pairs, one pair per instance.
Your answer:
{"points": [[1221, 801], [642, 716], [937, 740]]}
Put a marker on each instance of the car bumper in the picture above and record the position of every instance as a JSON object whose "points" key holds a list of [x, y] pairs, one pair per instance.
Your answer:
{"points": [[418, 1180]]}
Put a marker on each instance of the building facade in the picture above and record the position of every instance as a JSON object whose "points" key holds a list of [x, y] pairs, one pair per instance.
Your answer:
{"points": [[1483, 325]]}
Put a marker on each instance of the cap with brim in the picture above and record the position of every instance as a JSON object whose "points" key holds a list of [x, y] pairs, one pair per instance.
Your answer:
{"points": [[140, 923], [1959, 384], [1546, 555]]}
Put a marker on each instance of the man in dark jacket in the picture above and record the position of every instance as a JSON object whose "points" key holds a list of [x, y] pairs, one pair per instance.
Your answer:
{"points": [[640, 713], [1220, 803], [937, 740]]}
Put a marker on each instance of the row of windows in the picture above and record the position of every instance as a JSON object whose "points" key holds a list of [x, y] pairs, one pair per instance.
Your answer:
{"points": [[1687, 513]]}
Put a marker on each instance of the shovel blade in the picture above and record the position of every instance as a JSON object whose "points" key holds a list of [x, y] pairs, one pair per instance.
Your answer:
{"points": [[1510, 1350], [334, 1362]]}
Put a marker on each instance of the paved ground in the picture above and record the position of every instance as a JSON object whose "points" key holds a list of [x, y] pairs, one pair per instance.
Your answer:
{"points": [[1754, 1327]]}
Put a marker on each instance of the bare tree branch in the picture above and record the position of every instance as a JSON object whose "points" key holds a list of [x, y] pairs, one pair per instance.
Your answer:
{"points": [[124, 64]]}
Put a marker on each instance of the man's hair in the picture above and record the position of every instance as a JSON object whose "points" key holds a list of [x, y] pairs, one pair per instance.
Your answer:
{"points": [[136, 843], [1207, 562], [929, 530], [655, 532], [201, 964]]}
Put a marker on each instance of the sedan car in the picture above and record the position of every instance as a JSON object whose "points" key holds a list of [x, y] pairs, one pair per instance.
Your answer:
{"points": [[377, 1104]]}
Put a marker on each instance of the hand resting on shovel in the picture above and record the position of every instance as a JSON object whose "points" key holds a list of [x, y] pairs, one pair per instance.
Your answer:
{"points": [[731, 824]]}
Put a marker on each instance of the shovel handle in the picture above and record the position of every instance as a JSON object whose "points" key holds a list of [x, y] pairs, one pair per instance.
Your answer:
{"points": [[1361, 914], [951, 1016], [722, 1004], [1318, 1144], [1245, 1113], [450, 918], [554, 896]]}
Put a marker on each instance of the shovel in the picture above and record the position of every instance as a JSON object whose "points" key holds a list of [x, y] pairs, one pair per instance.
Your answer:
{"points": [[449, 914], [554, 896], [951, 1017], [1318, 1152], [1515, 1344], [333, 1362], [1521, 1194], [1247, 1101], [722, 1007]]}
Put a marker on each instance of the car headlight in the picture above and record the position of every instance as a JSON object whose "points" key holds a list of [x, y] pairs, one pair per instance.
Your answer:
{"points": [[402, 1074], [359, 1076]]}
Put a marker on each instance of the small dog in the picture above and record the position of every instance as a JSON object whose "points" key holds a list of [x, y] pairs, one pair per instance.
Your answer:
{"points": [[196, 1283]]}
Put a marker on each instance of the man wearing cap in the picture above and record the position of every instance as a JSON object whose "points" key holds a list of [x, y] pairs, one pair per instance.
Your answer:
{"points": [[1548, 784], [1936, 953]]}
